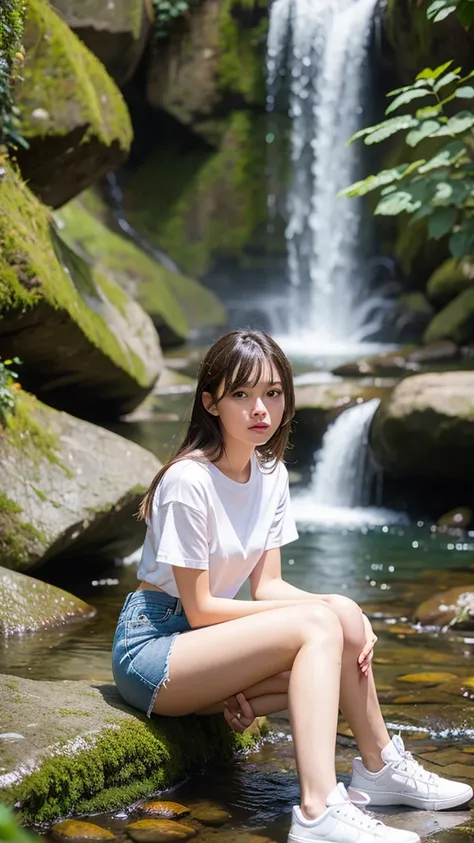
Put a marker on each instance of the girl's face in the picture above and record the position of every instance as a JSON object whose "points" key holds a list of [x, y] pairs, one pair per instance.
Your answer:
{"points": [[251, 414]]}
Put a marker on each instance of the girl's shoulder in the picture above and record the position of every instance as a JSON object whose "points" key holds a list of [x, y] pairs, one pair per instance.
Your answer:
{"points": [[185, 481]]}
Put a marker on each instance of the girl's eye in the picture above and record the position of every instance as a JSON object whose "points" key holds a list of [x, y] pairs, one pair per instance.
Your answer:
{"points": [[273, 393], [239, 394]]}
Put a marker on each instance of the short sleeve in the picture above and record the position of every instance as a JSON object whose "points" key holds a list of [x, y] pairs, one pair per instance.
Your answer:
{"points": [[283, 529], [180, 535]]}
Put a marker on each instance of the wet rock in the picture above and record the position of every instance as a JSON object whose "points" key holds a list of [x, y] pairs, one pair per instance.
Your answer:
{"points": [[211, 815], [104, 753], [455, 607], [450, 279], [115, 32], [72, 830], [435, 352], [159, 831], [425, 427], [78, 126], [461, 518], [67, 487], [356, 369], [168, 810], [455, 321], [460, 688], [426, 678], [27, 605]]}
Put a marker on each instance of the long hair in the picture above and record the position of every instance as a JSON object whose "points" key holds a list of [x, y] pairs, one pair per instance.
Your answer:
{"points": [[236, 359]]}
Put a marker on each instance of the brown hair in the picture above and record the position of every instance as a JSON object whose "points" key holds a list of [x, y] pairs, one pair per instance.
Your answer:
{"points": [[231, 362]]}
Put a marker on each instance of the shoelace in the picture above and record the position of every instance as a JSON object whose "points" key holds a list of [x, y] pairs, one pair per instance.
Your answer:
{"points": [[362, 819], [409, 764]]}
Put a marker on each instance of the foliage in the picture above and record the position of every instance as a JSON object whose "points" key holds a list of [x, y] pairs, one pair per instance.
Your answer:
{"points": [[167, 11], [8, 386], [11, 57], [10, 832], [438, 10], [439, 185]]}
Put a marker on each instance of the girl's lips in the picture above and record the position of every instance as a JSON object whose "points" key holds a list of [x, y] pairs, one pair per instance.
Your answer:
{"points": [[260, 427]]}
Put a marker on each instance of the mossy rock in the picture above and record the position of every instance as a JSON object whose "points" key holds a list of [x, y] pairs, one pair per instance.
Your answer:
{"points": [[116, 33], [454, 607], [450, 279], [84, 344], [67, 487], [27, 604], [179, 306], [455, 322], [100, 755], [210, 206], [425, 427], [212, 63], [72, 113]]}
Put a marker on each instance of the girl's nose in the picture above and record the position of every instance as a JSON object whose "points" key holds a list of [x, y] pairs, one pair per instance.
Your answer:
{"points": [[259, 407]]}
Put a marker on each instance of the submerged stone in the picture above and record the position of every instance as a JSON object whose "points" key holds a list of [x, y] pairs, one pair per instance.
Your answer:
{"points": [[459, 518], [73, 830], [169, 810], [455, 607], [211, 815], [427, 678], [156, 831]]}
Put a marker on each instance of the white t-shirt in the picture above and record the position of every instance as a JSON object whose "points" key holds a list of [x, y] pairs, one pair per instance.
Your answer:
{"points": [[203, 519]]}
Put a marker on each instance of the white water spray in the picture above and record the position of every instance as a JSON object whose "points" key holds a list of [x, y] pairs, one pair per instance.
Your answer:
{"points": [[318, 48]]}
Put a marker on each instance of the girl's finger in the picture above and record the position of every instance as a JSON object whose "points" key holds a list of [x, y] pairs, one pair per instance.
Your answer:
{"points": [[245, 707]]}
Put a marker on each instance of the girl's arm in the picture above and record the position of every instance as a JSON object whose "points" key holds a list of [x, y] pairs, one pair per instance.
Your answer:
{"points": [[202, 609], [266, 582]]}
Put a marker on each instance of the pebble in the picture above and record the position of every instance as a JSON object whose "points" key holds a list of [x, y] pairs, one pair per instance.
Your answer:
{"points": [[209, 815], [168, 810]]}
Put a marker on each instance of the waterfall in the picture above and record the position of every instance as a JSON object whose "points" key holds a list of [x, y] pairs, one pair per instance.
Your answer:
{"points": [[343, 481], [317, 50]]}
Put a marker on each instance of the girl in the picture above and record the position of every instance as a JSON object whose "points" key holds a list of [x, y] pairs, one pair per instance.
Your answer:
{"points": [[217, 514]]}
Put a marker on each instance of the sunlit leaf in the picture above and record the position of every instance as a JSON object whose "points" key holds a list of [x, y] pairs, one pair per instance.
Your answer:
{"points": [[457, 125], [424, 131], [390, 127], [443, 13], [465, 92], [429, 111], [450, 77], [428, 73], [395, 203], [442, 222], [408, 96]]}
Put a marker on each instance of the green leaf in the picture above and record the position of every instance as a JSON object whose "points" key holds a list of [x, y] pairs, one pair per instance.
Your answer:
{"points": [[424, 131], [360, 188], [443, 13], [442, 222], [435, 7], [429, 111], [450, 77], [461, 243], [395, 203], [465, 13], [465, 92], [456, 125], [421, 213], [449, 155], [408, 96], [390, 127], [428, 73]]}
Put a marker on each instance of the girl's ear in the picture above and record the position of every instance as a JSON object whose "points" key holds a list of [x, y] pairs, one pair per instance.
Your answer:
{"points": [[209, 404]]}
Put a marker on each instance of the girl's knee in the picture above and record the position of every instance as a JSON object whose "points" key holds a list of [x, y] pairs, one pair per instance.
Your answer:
{"points": [[321, 622], [350, 618]]}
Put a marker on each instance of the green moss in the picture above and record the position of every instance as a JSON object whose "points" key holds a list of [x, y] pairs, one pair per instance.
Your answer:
{"points": [[67, 712], [124, 763], [451, 278], [7, 505], [16, 536], [40, 494], [37, 266], [219, 206], [241, 68], [66, 80], [24, 432], [179, 302]]}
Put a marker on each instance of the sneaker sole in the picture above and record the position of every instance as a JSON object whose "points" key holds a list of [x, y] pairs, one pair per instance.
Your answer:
{"points": [[292, 838], [386, 799]]}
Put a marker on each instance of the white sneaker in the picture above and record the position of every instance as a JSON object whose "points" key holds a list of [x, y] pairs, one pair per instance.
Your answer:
{"points": [[403, 781], [343, 822]]}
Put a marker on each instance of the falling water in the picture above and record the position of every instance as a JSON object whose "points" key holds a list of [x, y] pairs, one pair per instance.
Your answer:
{"points": [[341, 490], [317, 49]]}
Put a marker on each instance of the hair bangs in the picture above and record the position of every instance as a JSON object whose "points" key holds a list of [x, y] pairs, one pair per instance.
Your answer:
{"points": [[249, 363]]}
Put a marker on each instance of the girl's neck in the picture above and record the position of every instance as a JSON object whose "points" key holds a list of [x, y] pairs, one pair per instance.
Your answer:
{"points": [[236, 462]]}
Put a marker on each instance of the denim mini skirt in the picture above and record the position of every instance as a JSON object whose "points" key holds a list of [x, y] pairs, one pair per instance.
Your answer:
{"points": [[146, 630]]}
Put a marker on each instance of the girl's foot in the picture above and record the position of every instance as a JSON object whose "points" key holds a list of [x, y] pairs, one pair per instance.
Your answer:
{"points": [[343, 822], [403, 781]]}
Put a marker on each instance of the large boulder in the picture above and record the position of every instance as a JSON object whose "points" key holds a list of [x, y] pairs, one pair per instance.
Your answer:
{"points": [[454, 607], [425, 427], [211, 64], [80, 749], [179, 306], [116, 32], [73, 115], [28, 605], [67, 487], [84, 344]]}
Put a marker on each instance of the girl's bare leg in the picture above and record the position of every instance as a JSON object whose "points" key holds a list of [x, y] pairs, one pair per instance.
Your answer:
{"points": [[358, 699], [211, 663]]}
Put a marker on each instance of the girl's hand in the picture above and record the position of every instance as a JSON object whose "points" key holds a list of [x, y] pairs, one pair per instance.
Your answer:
{"points": [[238, 713], [365, 658]]}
